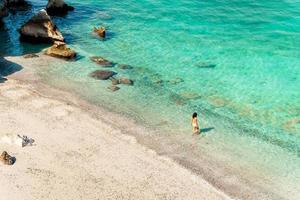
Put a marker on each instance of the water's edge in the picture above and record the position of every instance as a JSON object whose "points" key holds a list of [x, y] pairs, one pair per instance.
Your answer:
{"points": [[218, 164]]}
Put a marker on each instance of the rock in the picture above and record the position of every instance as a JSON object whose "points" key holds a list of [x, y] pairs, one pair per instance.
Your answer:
{"points": [[60, 50], [206, 65], [100, 31], [157, 81], [16, 3], [291, 123], [115, 81], [176, 81], [3, 9], [190, 95], [102, 61], [40, 29], [125, 66], [6, 159], [113, 88], [217, 101], [102, 74], [31, 55], [126, 81], [177, 99], [58, 7]]}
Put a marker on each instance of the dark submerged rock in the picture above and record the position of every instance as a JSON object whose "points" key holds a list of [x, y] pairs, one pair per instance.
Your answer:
{"points": [[3, 9], [102, 61], [176, 81], [115, 81], [206, 65], [40, 29], [126, 81], [125, 66], [102, 74], [17, 5], [58, 7]]}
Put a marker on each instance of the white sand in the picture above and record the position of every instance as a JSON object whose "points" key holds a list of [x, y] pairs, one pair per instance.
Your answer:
{"points": [[78, 155]]}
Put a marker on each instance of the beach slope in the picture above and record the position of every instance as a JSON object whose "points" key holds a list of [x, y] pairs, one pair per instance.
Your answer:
{"points": [[79, 156]]}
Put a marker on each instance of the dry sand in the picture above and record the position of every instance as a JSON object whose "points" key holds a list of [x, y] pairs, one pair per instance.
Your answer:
{"points": [[78, 155]]}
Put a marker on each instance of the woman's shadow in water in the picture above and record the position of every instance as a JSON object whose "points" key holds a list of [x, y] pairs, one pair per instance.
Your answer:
{"points": [[206, 130]]}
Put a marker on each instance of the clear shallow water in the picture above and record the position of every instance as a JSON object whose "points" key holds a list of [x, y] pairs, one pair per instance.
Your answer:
{"points": [[237, 63], [237, 59]]}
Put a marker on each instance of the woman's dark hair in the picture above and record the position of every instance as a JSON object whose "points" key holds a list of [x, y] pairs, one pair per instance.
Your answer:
{"points": [[195, 114]]}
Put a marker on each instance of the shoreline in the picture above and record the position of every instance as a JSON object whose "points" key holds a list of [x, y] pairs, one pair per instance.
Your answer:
{"points": [[209, 163], [108, 163]]}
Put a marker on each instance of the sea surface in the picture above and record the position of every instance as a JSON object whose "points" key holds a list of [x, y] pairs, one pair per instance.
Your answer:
{"points": [[235, 62]]}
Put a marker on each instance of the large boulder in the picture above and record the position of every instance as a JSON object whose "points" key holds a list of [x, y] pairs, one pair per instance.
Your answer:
{"points": [[60, 50], [58, 7], [3, 9], [40, 29]]}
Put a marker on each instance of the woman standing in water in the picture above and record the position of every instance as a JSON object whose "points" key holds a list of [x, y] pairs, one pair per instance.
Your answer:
{"points": [[195, 125]]}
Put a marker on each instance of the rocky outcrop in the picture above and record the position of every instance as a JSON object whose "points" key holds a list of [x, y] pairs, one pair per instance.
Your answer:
{"points": [[58, 7], [100, 32], [3, 9], [102, 74], [40, 29], [60, 50]]}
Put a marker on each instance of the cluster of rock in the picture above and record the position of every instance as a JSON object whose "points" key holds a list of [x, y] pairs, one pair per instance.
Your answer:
{"points": [[41, 29], [110, 75]]}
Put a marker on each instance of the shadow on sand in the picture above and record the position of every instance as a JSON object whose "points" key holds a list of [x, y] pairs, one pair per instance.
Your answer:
{"points": [[7, 68]]}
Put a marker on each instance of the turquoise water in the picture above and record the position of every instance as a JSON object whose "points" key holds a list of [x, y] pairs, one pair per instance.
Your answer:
{"points": [[236, 63], [237, 60]]}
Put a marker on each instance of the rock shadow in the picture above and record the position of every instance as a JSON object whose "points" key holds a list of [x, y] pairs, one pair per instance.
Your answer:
{"points": [[13, 160], [7, 68]]}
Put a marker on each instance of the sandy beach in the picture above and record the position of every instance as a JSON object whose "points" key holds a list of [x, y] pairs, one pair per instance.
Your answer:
{"points": [[77, 154]]}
